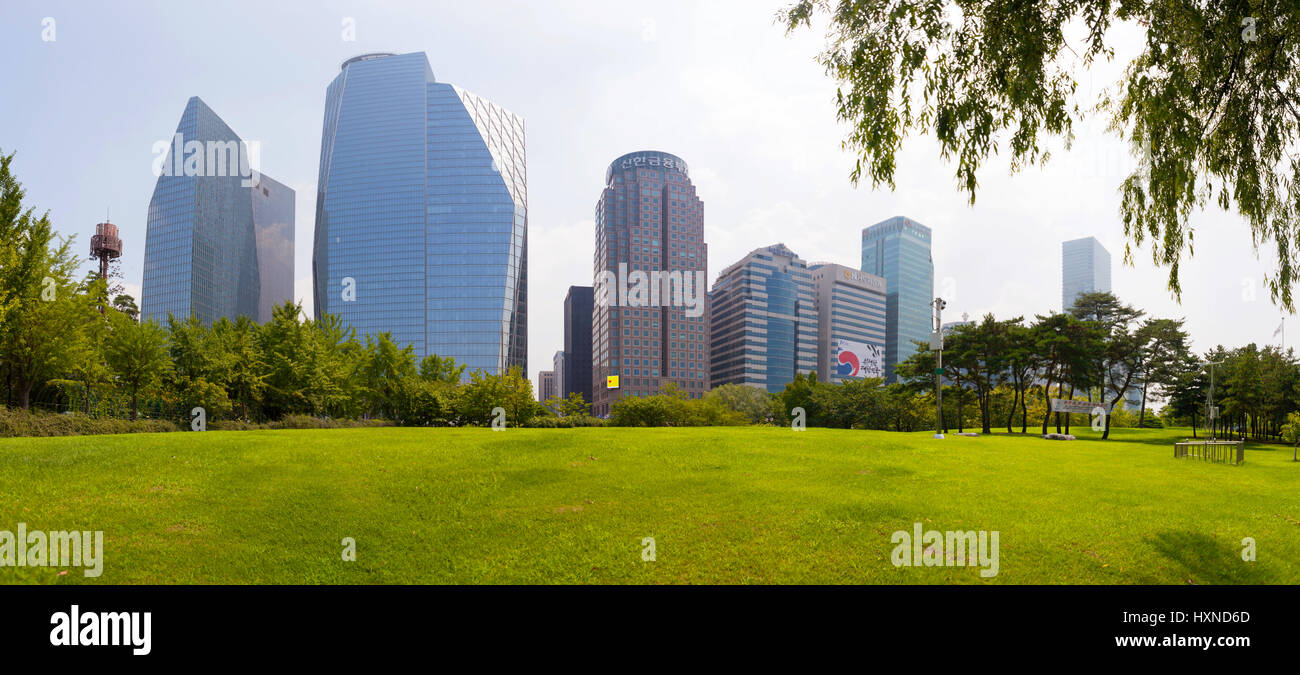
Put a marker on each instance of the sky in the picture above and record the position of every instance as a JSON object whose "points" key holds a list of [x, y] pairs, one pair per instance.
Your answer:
{"points": [[716, 82]]}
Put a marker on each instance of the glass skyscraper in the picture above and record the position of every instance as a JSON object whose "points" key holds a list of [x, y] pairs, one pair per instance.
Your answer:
{"points": [[422, 214], [763, 321], [898, 249], [1085, 268], [219, 238], [576, 376], [649, 220]]}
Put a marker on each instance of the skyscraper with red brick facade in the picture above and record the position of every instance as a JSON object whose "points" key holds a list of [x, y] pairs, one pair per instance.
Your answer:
{"points": [[650, 314]]}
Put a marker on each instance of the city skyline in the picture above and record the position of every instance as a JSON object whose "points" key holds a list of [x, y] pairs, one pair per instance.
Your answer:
{"points": [[725, 119]]}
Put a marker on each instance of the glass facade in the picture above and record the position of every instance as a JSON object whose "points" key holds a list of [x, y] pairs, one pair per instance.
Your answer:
{"points": [[273, 216], [577, 342], [898, 249], [421, 214], [216, 244], [1085, 268], [649, 220], [763, 321]]}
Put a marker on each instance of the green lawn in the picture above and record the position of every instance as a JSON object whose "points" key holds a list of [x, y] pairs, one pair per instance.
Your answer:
{"points": [[724, 505]]}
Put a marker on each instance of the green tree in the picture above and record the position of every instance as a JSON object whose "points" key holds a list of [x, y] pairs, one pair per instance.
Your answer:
{"points": [[137, 354], [1210, 107]]}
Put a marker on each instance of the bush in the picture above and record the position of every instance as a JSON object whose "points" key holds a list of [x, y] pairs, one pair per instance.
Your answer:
{"points": [[309, 422], [19, 422], [671, 410]]}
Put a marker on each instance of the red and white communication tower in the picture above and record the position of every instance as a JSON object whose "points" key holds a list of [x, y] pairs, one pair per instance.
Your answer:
{"points": [[105, 247]]}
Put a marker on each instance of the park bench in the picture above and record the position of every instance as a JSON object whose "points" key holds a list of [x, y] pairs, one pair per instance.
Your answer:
{"points": [[1224, 452]]}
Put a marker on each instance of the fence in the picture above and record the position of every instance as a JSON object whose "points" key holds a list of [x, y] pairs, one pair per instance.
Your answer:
{"points": [[1223, 452]]}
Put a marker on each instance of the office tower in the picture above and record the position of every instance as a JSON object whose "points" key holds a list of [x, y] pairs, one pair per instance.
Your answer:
{"points": [[898, 250], [557, 367], [650, 317], [422, 214], [545, 385], [273, 219], [763, 321], [851, 322], [212, 232], [577, 342], [1085, 268]]}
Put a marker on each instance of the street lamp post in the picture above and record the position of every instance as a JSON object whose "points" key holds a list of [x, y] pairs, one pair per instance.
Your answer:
{"points": [[936, 344]]}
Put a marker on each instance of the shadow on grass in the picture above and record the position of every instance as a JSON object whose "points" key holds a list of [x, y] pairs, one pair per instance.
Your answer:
{"points": [[1202, 559]]}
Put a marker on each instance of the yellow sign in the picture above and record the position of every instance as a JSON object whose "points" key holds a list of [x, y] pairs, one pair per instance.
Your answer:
{"points": [[611, 382]]}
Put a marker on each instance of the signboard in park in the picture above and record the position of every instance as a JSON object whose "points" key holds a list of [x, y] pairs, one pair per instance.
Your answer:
{"points": [[611, 382], [1081, 407], [857, 359]]}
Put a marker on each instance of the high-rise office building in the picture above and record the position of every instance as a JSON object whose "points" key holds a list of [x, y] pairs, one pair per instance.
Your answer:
{"points": [[422, 214], [763, 321], [650, 318], [851, 322], [273, 216], [219, 237], [557, 367], [577, 342], [545, 385], [898, 250], [1085, 268]]}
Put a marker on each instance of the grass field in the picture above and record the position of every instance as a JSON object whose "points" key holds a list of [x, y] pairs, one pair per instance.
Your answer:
{"points": [[724, 505]]}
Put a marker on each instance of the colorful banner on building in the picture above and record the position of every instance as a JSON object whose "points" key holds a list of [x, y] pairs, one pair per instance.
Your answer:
{"points": [[858, 359]]}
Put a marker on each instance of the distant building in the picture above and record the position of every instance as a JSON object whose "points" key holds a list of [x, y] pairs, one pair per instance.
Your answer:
{"points": [[557, 367], [763, 321], [545, 385], [219, 235], [1085, 268], [577, 342], [898, 250], [850, 307]]}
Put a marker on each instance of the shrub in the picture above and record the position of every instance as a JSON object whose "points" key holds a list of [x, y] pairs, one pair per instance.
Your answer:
{"points": [[19, 422]]}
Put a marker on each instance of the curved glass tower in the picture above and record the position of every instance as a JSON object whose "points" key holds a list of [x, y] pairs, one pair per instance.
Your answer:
{"points": [[422, 214]]}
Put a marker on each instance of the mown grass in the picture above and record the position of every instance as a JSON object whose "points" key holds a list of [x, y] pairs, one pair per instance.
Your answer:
{"points": [[724, 505]]}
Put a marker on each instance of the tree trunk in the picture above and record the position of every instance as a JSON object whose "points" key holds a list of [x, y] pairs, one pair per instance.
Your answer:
{"points": [[1142, 415], [1067, 415]]}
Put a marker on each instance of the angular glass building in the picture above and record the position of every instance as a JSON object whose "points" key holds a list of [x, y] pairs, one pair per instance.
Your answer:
{"points": [[422, 214], [763, 322], [1085, 268], [219, 237], [898, 249], [273, 220]]}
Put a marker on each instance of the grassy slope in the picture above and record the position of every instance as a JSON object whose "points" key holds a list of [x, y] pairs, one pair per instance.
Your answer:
{"points": [[724, 505]]}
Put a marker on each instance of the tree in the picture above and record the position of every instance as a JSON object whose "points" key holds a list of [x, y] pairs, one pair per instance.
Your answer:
{"points": [[137, 353], [1164, 351], [1210, 107], [126, 305], [752, 402]]}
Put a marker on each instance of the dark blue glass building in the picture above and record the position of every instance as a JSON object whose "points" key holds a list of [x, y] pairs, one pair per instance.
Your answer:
{"points": [[422, 214], [763, 323]]}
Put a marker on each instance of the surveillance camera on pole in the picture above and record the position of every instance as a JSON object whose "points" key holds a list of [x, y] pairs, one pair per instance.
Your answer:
{"points": [[936, 346]]}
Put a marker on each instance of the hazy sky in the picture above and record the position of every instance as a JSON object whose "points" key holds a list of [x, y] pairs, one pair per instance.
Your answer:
{"points": [[717, 83]]}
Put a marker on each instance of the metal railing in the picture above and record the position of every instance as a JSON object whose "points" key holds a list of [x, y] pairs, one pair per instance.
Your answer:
{"points": [[1223, 452]]}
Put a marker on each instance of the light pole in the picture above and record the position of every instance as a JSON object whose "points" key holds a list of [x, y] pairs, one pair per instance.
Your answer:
{"points": [[936, 344]]}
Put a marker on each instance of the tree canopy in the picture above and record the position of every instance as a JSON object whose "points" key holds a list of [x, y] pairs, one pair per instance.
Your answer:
{"points": [[1210, 107]]}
